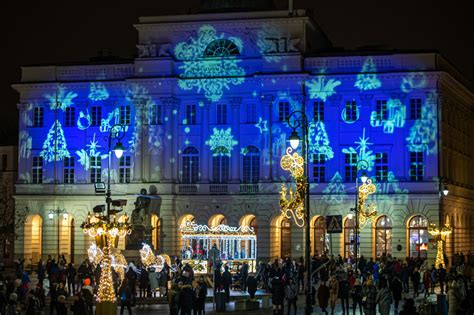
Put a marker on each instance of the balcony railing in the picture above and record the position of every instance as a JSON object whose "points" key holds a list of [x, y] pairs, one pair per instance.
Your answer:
{"points": [[188, 189], [218, 188], [249, 189]]}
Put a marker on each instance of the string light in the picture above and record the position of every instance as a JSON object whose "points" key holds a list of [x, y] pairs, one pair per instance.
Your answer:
{"points": [[106, 291], [440, 235], [367, 212]]}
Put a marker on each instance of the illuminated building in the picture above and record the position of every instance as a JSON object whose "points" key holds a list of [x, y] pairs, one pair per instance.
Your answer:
{"points": [[205, 103]]}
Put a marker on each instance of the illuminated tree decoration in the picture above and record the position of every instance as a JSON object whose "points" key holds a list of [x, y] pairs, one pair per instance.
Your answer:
{"points": [[261, 125], [396, 116], [62, 99], [335, 192], [221, 142], [209, 63], [415, 80], [55, 146], [292, 206], [98, 92], [423, 132], [318, 140], [362, 151], [367, 212], [440, 235], [322, 88], [367, 78]]}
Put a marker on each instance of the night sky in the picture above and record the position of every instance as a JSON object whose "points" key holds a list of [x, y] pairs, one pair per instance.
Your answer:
{"points": [[49, 32]]}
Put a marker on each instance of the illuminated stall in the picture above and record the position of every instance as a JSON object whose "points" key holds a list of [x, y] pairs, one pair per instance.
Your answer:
{"points": [[234, 246]]}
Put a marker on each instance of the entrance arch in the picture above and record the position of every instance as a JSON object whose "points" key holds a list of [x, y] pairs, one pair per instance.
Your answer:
{"points": [[319, 237], [182, 220], [280, 235], [33, 238], [217, 219], [417, 238], [249, 220]]}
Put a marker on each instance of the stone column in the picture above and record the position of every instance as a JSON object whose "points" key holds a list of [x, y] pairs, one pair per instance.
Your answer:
{"points": [[267, 152], [205, 160], [235, 157]]}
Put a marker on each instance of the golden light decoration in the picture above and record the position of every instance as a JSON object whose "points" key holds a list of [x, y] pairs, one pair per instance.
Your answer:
{"points": [[440, 235], [292, 205], [367, 212], [149, 259], [106, 291], [100, 228]]}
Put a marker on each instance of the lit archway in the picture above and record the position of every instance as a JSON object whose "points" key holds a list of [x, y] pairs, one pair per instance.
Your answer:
{"points": [[320, 243], [182, 221], [156, 232], [417, 236], [382, 236], [249, 220], [217, 219], [33, 238], [280, 237], [349, 237], [285, 238]]}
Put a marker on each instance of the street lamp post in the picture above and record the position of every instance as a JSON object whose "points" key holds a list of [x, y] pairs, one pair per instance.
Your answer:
{"points": [[117, 132], [58, 213], [301, 121]]}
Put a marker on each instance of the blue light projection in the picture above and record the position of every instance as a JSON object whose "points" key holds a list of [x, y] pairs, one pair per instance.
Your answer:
{"points": [[98, 92], [390, 190], [93, 151], [344, 117], [318, 140], [322, 88], [221, 142], [62, 99], [362, 151], [415, 80], [106, 123], [25, 144], [55, 146], [423, 133], [396, 116], [367, 78], [335, 191], [211, 73], [84, 121], [262, 125]]}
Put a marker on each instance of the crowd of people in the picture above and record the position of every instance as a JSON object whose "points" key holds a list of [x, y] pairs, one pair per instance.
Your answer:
{"points": [[384, 284]]}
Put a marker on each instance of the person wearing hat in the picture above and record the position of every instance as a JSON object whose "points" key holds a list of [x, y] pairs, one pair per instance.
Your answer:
{"points": [[12, 307], [61, 305]]}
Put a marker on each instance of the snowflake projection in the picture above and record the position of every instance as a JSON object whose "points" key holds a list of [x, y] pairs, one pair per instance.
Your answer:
{"points": [[322, 88], [55, 146], [395, 118], [335, 192], [211, 75], [415, 80], [84, 120], [92, 151], [25, 144], [318, 140], [423, 133], [262, 125], [362, 151], [367, 78], [62, 99], [221, 142], [98, 92]]}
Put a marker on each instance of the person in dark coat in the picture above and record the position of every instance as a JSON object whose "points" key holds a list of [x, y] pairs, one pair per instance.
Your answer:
{"points": [[323, 297], [186, 299], [344, 292], [125, 294], [143, 282], [278, 295], [173, 299], [409, 308], [244, 276], [357, 296], [397, 289], [32, 304], [40, 271], [251, 286], [79, 306], [61, 305], [441, 277], [226, 283], [415, 278], [71, 279], [132, 281], [217, 279], [201, 296], [370, 295]]}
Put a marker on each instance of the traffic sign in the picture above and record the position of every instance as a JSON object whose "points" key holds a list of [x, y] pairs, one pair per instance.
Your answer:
{"points": [[334, 224]]}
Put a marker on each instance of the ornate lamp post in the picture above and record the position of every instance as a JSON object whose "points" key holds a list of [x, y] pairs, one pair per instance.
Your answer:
{"points": [[107, 230], [58, 212], [297, 206]]}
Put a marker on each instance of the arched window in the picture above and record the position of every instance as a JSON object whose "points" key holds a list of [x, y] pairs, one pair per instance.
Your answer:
{"points": [[156, 232], [383, 236], [349, 237], [217, 219], [221, 48], [190, 166], [319, 236], [33, 240], [220, 165], [418, 236], [251, 164], [285, 238]]}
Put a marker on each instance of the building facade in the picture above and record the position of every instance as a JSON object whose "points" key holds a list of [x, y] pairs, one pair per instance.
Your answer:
{"points": [[205, 104]]}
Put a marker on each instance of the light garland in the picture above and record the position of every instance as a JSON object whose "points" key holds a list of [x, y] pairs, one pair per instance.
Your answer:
{"points": [[440, 235], [96, 227], [292, 206], [106, 291], [367, 212], [191, 227]]}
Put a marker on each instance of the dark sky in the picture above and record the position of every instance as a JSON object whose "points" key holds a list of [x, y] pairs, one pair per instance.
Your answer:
{"points": [[48, 32]]}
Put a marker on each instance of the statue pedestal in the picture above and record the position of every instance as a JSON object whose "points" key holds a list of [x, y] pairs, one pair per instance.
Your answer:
{"points": [[106, 308]]}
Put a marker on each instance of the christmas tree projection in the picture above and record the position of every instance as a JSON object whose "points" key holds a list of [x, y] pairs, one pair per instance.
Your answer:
{"points": [[55, 146], [62, 99], [362, 151], [319, 140], [321, 88], [423, 132], [335, 192], [367, 78]]}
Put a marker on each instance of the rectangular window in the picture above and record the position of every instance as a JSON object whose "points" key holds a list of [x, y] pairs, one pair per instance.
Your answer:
{"points": [[416, 166], [191, 114], [155, 114], [221, 114], [251, 113], [381, 167], [124, 169], [125, 115], [318, 109], [350, 166], [319, 168], [96, 169], [350, 111], [37, 170], [283, 111], [381, 110], [68, 170], [70, 117], [415, 108], [38, 116], [96, 115]]}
